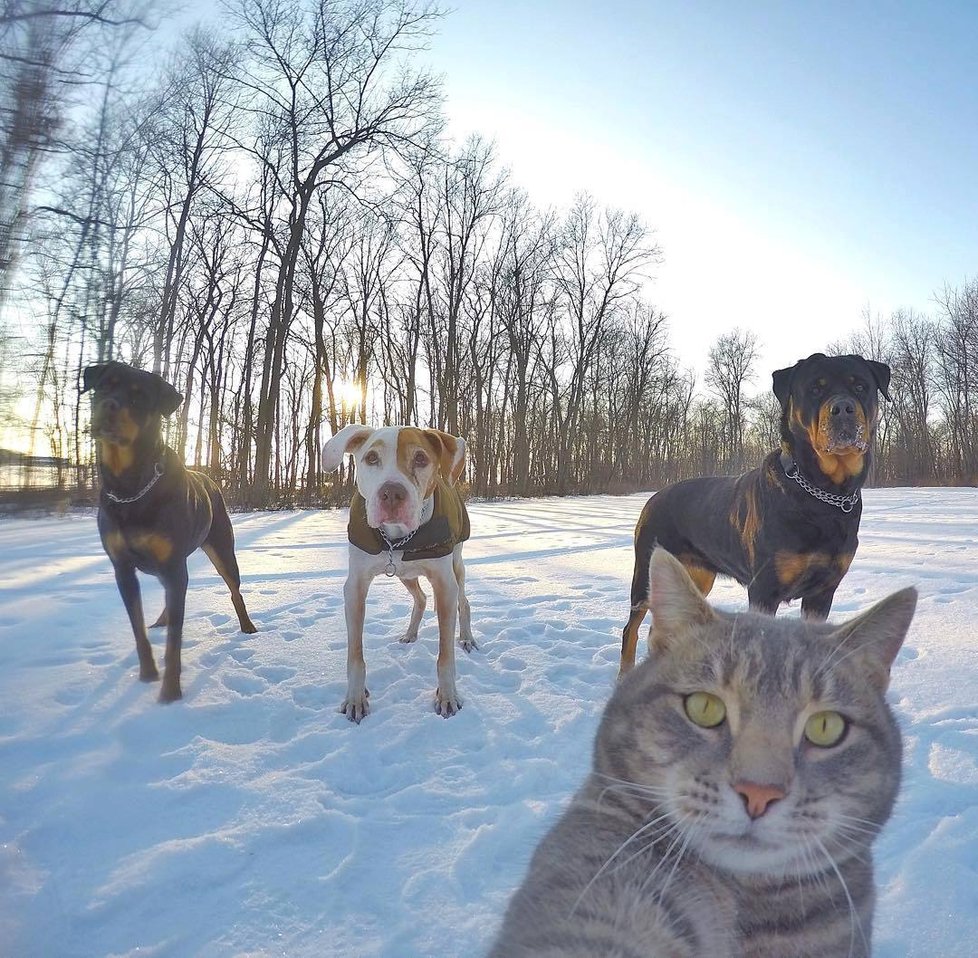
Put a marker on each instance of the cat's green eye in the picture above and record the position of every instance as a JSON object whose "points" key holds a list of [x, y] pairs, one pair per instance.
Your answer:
{"points": [[705, 709], [825, 729]]}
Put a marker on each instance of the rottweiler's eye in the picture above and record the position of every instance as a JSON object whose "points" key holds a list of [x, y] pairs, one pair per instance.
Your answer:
{"points": [[371, 458], [420, 459], [815, 388], [859, 387]]}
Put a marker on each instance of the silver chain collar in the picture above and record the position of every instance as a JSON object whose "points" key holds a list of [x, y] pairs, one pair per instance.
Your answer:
{"points": [[845, 503], [426, 512], [389, 569], [157, 475]]}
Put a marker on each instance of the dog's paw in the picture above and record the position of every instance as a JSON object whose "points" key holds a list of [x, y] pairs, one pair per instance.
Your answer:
{"points": [[447, 705], [408, 637], [149, 674], [467, 643], [170, 693], [355, 707]]}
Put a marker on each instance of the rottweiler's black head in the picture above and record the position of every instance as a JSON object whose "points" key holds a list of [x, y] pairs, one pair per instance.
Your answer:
{"points": [[127, 403], [829, 410]]}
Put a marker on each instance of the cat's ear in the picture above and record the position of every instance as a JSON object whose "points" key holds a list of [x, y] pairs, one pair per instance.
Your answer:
{"points": [[875, 637], [674, 601]]}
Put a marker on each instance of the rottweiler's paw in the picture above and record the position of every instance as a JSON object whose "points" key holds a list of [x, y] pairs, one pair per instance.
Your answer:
{"points": [[169, 694], [446, 705], [467, 643], [149, 674], [409, 637], [249, 627]]}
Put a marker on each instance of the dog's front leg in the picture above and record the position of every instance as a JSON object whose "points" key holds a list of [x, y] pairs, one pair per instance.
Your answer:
{"points": [[175, 586], [355, 705], [125, 578], [445, 588]]}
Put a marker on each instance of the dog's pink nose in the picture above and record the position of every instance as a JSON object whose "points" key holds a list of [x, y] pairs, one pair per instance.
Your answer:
{"points": [[392, 494]]}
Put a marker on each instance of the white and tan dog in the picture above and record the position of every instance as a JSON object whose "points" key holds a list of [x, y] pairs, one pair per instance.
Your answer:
{"points": [[406, 519]]}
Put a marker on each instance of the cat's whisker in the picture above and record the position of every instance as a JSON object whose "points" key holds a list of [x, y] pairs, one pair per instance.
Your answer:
{"points": [[855, 923], [638, 833]]}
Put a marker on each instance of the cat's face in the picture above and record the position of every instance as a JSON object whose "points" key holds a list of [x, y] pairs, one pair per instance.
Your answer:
{"points": [[766, 744]]}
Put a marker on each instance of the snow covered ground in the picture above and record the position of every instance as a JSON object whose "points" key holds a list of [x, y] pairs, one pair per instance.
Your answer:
{"points": [[252, 819]]}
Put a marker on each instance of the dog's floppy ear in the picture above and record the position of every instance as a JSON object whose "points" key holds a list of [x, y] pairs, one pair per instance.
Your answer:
{"points": [[92, 375], [167, 397], [781, 379], [348, 439], [451, 460], [881, 373]]}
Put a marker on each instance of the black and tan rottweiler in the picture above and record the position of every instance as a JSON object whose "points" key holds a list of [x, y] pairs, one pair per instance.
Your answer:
{"points": [[786, 530], [153, 511]]}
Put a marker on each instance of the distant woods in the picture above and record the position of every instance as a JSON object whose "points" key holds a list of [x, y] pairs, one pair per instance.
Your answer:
{"points": [[275, 222]]}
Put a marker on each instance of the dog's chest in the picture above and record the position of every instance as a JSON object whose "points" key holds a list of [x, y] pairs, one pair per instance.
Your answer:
{"points": [[149, 548]]}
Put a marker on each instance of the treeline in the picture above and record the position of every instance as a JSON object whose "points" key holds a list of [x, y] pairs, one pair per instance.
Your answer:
{"points": [[278, 225]]}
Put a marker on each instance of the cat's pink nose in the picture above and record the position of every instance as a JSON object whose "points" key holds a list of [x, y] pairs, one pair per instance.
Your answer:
{"points": [[758, 798]]}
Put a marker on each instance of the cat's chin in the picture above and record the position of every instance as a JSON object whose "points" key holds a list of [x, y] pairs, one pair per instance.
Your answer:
{"points": [[753, 853]]}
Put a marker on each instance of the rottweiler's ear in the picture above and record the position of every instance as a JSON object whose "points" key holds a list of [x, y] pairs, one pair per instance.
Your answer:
{"points": [[451, 461], [93, 375], [167, 398], [782, 383], [881, 373]]}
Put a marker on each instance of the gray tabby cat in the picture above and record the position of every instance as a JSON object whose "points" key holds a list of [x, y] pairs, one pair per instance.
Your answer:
{"points": [[740, 776]]}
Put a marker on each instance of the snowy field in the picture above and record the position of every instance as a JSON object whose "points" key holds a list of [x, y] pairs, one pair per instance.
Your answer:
{"points": [[252, 819]]}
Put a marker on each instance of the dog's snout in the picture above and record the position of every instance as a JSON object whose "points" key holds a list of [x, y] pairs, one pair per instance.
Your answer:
{"points": [[843, 405], [392, 494]]}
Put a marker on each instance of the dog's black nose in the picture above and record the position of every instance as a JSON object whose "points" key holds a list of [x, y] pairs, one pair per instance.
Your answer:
{"points": [[843, 405], [392, 493]]}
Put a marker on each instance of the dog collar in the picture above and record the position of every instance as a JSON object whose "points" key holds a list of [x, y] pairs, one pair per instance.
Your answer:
{"points": [[845, 503], [157, 475], [427, 510]]}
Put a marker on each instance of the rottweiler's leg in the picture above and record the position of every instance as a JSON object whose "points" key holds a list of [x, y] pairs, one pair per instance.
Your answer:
{"points": [[765, 592], [817, 606], [629, 640], [174, 579], [219, 548], [125, 577], [417, 610], [465, 638]]}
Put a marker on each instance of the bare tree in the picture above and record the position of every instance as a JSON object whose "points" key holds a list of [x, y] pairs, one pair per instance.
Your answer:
{"points": [[327, 79], [730, 367]]}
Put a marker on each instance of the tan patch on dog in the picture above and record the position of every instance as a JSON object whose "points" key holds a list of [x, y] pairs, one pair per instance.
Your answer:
{"points": [[115, 543], [154, 543], [117, 459], [837, 465], [746, 519], [844, 561], [702, 578], [409, 440], [791, 566]]}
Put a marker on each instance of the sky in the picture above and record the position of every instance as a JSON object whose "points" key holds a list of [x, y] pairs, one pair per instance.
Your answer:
{"points": [[800, 163]]}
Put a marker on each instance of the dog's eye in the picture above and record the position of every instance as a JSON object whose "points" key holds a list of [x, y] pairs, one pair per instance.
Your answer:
{"points": [[371, 458], [859, 387], [420, 459]]}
